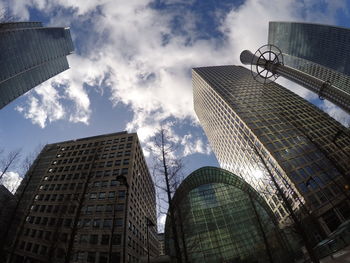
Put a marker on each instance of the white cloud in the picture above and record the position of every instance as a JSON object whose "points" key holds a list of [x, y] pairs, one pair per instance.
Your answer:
{"points": [[43, 107], [334, 111], [133, 50], [161, 223], [11, 181]]}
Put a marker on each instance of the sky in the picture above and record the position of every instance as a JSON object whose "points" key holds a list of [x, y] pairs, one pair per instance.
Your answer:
{"points": [[131, 68]]}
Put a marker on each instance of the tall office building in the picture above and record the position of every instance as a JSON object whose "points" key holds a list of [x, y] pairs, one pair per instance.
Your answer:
{"points": [[30, 54], [255, 128], [89, 205], [322, 51]]}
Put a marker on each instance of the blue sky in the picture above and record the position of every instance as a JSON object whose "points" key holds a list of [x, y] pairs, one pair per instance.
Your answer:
{"points": [[131, 69]]}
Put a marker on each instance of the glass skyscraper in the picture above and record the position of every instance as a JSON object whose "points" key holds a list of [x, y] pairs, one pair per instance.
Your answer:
{"points": [[221, 218], [255, 129], [29, 55], [322, 51]]}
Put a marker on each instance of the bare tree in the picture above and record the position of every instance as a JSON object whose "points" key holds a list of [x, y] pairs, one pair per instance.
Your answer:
{"points": [[10, 161], [167, 172], [26, 168]]}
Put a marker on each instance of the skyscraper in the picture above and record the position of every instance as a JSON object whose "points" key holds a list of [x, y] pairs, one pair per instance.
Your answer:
{"points": [[30, 54], [255, 129], [90, 204], [322, 51]]}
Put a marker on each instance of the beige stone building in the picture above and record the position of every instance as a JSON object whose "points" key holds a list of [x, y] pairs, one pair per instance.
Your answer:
{"points": [[89, 204]]}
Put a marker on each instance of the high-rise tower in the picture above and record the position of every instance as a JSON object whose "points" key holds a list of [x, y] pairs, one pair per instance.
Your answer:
{"points": [[322, 51], [90, 203], [30, 54], [254, 128]]}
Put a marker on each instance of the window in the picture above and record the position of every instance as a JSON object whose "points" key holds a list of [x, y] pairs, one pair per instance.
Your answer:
{"points": [[114, 183], [89, 209], [67, 222], [121, 194], [102, 195], [116, 239], [99, 208], [109, 208], [125, 161], [107, 223], [47, 235], [93, 239], [104, 257], [111, 195], [36, 248], [43, 250], [96, 223], [91, 257], [120, 207], [119, 222], [93, 195], [83, 239], [105, 240], [22, 245], [104, 183], [87, 222]]}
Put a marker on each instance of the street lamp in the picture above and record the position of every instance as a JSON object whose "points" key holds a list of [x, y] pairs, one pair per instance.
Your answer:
{"points": [[123, 181], [148, 224]]}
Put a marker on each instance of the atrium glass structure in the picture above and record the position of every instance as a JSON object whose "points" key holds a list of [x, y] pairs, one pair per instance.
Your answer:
{"points": [[29, 55], [322, 51], [256, 130], [221, 218]]}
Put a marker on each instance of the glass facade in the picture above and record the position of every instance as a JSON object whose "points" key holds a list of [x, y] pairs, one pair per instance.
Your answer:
{"points": [[223, 219], [30, 54], [322, 51], [304, 149]]}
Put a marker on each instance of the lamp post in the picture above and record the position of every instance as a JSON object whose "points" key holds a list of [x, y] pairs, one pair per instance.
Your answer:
{"points": [[123, 181], [148, 224]]}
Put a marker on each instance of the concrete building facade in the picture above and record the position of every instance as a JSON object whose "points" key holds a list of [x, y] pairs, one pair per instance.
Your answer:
{"points": [[90, 204]]}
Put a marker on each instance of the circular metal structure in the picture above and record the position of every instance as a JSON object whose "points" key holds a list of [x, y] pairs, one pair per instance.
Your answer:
{"points": [[263, 61]]}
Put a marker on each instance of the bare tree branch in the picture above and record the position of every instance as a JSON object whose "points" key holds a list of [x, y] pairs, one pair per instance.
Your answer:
{"points": [[167, 170], [9, 162]]}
